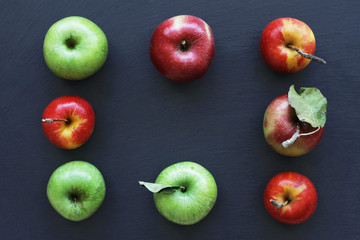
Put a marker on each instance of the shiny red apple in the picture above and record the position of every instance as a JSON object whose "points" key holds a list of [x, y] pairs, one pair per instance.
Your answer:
{"points": [[294, 122], [290, 198], [68, 121], [182, 48], [287, 45]]}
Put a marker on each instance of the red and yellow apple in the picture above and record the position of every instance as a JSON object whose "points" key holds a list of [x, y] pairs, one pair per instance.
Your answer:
{"points": [[182, 48], [68, 121], [294, 128], [279, 42], [290, 198]]}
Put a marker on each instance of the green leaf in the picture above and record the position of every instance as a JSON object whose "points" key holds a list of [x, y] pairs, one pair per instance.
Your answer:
{"points": [[309, 104], [157, 188]]}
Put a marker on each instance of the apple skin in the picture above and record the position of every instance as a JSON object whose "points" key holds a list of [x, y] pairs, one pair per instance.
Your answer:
{"points": [[169, 58], [280, 123], [81, 119], [298, 190], [195, 203], [275, 40], [78, 179], [75, 48]]}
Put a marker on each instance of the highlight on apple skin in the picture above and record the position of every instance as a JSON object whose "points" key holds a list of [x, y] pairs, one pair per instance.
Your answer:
{"points": [[182, 48], [68, 121], [75, 48], [290, 198], [287, 45]]}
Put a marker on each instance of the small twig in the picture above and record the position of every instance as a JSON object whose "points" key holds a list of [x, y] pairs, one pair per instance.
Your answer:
{"points": [[278, 205], [51, 120], [185, 46], [307, 55], [76, 211], [196, 40]]}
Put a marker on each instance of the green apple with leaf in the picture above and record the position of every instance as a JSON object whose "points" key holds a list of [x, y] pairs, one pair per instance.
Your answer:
{"points": [[184, 193], [76, 190], [75, 48], [294, 122]]}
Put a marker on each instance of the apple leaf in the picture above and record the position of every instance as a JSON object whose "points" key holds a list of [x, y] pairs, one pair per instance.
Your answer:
{"points": [[309, 104], [157, 188]]}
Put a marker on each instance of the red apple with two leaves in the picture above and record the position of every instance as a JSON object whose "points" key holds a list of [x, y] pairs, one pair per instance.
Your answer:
{"points": [[294, 122], [287, 45], [182, 48], [68, 121], [290, 198]]}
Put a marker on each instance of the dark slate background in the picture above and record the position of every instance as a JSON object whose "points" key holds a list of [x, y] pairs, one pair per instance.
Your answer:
{"points": [[144, 122]]}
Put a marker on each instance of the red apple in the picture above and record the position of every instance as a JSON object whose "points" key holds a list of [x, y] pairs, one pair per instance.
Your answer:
{"points": [[286, 44], [290, 198], [68, 121], [182, 48], [294, 123]]}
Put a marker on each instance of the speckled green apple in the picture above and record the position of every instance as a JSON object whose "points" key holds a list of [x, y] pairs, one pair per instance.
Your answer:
{"points": [[194, 200], [76, 190], [75, 48]]}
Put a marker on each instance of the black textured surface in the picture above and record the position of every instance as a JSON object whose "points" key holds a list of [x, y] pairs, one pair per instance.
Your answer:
{"points": [[145, 123]]}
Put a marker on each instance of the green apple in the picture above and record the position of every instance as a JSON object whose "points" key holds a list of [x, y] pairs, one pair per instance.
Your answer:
{"points": [[75, 48], [76, 190], [184, 193]]}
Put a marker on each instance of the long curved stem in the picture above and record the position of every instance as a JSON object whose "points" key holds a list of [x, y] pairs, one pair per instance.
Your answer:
{"points": [[295, 136], [309, 133]]}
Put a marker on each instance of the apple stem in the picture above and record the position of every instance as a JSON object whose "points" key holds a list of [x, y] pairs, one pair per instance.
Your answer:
{"points": [[196, 40], [76, 211], [290, 141], [278, 205], [309, 133], [51, 120], [296, 135], [307, 55], [184, 46]]}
